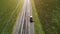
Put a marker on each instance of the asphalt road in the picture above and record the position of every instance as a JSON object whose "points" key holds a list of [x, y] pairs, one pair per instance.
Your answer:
{"points": [[23, 25]]}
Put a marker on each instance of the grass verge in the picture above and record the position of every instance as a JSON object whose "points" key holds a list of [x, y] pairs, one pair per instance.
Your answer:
{"points": [[9, 10], [37, 25], [48, 12]]}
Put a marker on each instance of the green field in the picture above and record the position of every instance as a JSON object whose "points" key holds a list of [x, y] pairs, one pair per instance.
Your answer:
{"points": [[9, 10], [49, 15], [37, 25]]}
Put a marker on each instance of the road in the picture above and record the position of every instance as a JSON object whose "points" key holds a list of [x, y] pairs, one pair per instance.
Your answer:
{"points": [[23, 25]]}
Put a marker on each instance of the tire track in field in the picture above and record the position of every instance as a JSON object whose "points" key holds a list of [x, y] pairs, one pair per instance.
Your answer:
{"points": [[10, 17]]}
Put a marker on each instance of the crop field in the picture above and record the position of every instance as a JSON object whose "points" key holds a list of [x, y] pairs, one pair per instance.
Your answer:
{"points": [[49, 15], [9, 10]]}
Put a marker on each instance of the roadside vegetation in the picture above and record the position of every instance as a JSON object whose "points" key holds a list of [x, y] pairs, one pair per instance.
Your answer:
{"points": [[37, 25], [9, 10], [49, 15]]}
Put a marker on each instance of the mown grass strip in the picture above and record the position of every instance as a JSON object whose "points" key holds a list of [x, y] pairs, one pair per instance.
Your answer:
{"points": [[37, 25]]}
